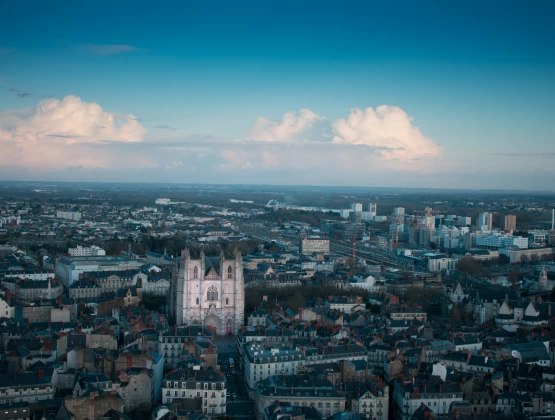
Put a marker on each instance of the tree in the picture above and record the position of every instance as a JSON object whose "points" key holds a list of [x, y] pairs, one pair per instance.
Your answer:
{"points": [[523, 259], [296, 301], [514, 278], [534, 258], [503, 259], [470, 266]]}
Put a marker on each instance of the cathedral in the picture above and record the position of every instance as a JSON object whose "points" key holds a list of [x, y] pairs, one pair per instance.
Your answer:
{"points": [[208, 291]]}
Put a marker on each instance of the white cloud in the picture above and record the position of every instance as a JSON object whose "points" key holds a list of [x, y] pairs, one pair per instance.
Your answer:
{"points": [[388, 129], [62, 132], [302, 126]]}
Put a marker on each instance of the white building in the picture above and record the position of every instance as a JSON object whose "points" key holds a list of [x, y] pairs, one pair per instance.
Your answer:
{"points": [[439, 262], [373, 209], [485, 221], [315, 246], [68, 269], [208, 385], [261, 363], [496, 240], [6, 311], [209, 291], [344, 213], [372, 400], [68, 215], [80, 251], [408, 396], [356, 207]]}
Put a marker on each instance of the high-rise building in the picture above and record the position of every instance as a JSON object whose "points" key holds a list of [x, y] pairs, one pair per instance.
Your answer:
{"points": [[373, 208], [485, 221], [509, 222], [357, 207]]}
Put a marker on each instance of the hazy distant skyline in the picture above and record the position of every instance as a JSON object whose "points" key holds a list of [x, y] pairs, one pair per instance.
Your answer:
{"points": [[407, 94]]}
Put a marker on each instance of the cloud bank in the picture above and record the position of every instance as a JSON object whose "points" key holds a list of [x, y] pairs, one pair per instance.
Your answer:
{"points": [[367, 139], [82, 141], [61, 132]]}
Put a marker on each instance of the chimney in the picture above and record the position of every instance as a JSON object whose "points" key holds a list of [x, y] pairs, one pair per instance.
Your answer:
{"points": [[415, 393], [41, 373], [129, 361]]}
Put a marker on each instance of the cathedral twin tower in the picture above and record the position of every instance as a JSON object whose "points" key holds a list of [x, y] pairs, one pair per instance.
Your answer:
{"points": [[209, 291]]}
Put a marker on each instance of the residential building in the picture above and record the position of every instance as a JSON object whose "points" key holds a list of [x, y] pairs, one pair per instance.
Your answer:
{"points": [[25, 387], [371, 398], [509, 222], [261, 363], [205, 389], [429, 390], [80, 251], [84, 288], [299, 391], [484, 221], [178, 343]]}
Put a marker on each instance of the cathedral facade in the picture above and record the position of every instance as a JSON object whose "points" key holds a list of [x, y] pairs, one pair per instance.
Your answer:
{"points": [[208, 291]]}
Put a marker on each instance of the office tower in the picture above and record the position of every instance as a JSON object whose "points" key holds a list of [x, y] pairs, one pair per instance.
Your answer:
{"points": [[485, 221], [357, 207], [372, 208]]}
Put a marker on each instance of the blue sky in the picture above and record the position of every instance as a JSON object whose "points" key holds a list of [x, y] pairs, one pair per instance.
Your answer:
{"points": [[214, 92]]}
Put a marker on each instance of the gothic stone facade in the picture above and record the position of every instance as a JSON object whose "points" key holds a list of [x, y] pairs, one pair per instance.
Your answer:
{"points": [[209, 291]]}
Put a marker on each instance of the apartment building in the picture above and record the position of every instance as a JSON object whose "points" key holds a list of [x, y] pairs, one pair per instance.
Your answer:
{"points": [[299, 391], [205, 388], [26, 387], [429, 390], [261, 362], [178, 343]]}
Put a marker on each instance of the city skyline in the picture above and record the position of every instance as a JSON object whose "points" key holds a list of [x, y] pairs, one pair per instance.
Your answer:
{"points": [[368, 94]]}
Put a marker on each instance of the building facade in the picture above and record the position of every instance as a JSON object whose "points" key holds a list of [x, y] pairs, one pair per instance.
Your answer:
{"points": [[209, 291], [207, 386], [315, 246]]}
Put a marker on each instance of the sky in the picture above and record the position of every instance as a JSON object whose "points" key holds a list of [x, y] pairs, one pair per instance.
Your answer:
{"points": [[356, 93]]}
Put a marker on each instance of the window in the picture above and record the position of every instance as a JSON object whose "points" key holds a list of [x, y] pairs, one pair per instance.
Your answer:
{"points": [[195, 272], [197, 301], [212, 293], [227, 301], [229, 272]]}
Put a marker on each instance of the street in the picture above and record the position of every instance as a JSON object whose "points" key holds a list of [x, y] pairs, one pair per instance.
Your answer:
{"points": [[238, 403]]}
